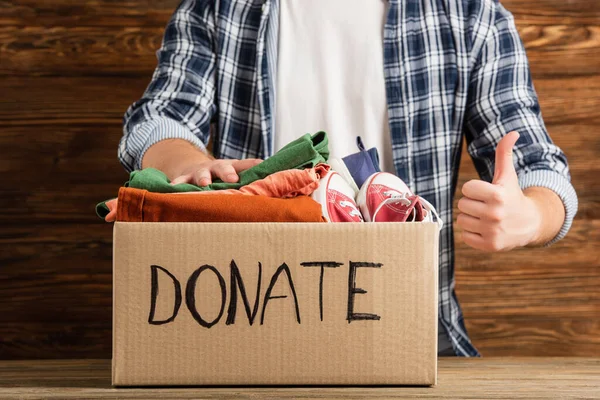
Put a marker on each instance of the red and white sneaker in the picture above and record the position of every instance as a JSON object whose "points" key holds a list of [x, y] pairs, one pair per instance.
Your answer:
{"points": [[386, 198], [337, 199]]}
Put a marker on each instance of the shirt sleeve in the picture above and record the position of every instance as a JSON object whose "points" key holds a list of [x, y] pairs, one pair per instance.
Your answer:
{"points": [[179, 101], [502, 99]]}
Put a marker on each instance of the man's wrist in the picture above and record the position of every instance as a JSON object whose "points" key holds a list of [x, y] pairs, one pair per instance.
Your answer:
{"points": [[535, 222], [548, 214]]}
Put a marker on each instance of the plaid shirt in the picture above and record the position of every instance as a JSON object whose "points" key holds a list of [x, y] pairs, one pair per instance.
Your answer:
{"points": [[452, 68]]}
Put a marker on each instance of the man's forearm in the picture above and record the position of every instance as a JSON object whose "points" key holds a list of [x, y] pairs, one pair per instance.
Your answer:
{"points": [[551, 214], [172, 155]]}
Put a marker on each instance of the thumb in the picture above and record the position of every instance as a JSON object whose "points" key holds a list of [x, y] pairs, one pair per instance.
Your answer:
{"points": [[504, 159]]}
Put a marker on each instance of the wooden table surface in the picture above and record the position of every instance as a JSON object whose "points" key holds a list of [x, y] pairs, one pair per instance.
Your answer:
{"points": [[489, 378]]}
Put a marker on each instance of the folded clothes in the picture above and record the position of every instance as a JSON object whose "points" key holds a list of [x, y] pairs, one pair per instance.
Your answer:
{"points": [[304, 152], [137, 205], [283, 184]]}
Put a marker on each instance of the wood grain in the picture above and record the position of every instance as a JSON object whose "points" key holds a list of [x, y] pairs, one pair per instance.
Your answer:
{"points": [[130, 51], [60, 100], [106, 13], [535, 336], [95, 51], [68, 100], [54, 275], [554, 12], [156, 12], [56, 340], [552, 49], [69, 70], [489, 378]]}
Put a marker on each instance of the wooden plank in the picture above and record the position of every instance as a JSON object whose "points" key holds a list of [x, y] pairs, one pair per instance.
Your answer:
{"points": [[131, 13], [76, 154], [54, 340], [56, 273], [535, 336], [90, 51], [156, 12], [458, 378], [66, 100], [552, 49], [62, 100], [74, 167], [570, 100], [552, 12], [130, 51], [46, 251]]}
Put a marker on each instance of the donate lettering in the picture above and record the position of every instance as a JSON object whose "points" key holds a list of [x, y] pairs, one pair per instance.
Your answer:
{"points": [[236, 286]]}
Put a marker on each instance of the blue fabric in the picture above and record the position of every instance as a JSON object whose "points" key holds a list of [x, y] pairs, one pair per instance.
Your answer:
{"points": [[363, 163], [454, 70]]}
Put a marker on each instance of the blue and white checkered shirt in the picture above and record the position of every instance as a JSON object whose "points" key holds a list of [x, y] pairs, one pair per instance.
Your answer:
{"points": [[452, 68]]}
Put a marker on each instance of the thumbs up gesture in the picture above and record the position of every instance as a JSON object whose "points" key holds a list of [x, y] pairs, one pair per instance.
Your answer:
{"points": [[498, 216]]}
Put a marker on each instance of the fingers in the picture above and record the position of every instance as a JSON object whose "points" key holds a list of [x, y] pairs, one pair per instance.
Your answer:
{"points": [[480, 190], [480, 210], [202, 177], [228, 171], [225, 172], [188, 178], [474, 240], [242, 165], [470, 224], [472, 207]]}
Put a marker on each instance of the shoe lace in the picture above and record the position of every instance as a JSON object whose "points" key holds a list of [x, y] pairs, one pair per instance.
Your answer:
{"points": [[429, 207], [393, 197], [396, 197], [354, 211]]}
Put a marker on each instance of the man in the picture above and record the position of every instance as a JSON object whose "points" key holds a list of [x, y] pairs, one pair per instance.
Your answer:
{"points": [[410, 76]]}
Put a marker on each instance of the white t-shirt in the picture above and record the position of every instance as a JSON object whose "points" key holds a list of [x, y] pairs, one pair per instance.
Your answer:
{"points": [[330, 75]]}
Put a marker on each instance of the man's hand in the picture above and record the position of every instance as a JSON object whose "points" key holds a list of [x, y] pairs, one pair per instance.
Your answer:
{"points": [[201, 173], [182, 162], [499, 216]]}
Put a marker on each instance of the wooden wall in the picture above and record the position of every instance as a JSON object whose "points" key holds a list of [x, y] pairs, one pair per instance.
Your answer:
{"points": [[69, 69]]}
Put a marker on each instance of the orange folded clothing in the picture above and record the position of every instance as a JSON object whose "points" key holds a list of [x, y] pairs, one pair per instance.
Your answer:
{"points": [[283, 184], [137, 205], [286, 183]]}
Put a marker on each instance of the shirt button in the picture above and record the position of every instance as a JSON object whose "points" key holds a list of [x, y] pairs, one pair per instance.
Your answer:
{"points": [[264, 6]]}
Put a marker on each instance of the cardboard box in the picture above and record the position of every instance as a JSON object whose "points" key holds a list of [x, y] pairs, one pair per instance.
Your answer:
{"points": [[338, 304]]}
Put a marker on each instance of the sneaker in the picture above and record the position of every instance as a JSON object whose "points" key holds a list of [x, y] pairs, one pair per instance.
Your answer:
{"points": [[363, 164], [337, 199], [386, 198]]}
